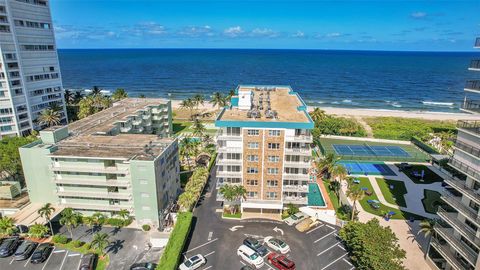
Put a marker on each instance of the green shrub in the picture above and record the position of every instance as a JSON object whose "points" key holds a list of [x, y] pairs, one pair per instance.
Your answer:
{"points": [[173, 251], [341, 126], [87, 246], [60, 239], [77, 243], [116, 222], [397, 128], [146, 227]]}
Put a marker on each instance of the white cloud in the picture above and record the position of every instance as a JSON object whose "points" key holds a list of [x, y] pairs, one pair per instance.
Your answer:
{"points": [[299, 34], [418, 15], [233, 31], [263, 32], [197, 31], [333, 35]]}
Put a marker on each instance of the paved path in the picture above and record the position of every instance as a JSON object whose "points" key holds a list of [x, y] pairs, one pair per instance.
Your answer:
{"points": [[366, 126]]}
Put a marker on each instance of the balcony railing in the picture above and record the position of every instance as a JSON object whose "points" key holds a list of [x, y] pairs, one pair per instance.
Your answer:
{"points": [[72, 168], [462, 228], [299, 150], [223, 161], [98, 207], [464, 168], [228, 174], [459, 246], [447, 254], [477, 43], [469, 125], [472, 85], [456, 203], [297, 176], [296, 164], [471, 105], [474, 64], [295, 188], [300, 138], [228, 136], [295, 200], [80, 181], [93, 195], [225, 149], [460, 186], [474, 151]]}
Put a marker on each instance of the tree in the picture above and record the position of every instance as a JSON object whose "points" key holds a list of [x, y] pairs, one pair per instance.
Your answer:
{"points": [[124, 214], [198, 99], [119, 94], [99, 218], [187, 150], [355, 194], [198, 128], [37, 230], [49, 117], [338, 173], [46, 212], [218, 100], [100, 241], [96, 91], [70, 219], [188, 104], [7, 226], [426, 228], [317, 115], [186, 201], [68, 96], [10, 162], [327, 163], [232, 194], [372, 246], [89, 221], [77, 97], [292, 209], [142, 96]]}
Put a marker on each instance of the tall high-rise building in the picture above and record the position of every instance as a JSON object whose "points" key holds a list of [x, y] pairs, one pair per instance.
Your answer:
{"points": [[30, 78], [264, 144], [456, 241]]}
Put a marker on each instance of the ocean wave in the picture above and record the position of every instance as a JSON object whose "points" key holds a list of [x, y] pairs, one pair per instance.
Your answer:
{"points": [[396, 105], [347, 101], [433, 103]]}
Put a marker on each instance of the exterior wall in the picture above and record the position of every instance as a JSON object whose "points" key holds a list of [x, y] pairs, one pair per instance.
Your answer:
{"points": [[273, 165], [258, 164]]}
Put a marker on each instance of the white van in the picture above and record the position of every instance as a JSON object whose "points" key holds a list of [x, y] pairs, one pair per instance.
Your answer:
{"points": [[250, 256]]}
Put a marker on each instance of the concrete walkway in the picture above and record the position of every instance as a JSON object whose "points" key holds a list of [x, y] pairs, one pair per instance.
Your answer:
{"points": [[364, 124]]}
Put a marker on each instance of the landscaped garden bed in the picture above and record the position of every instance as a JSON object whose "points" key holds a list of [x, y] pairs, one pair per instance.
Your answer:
{"points": [[393, 191], [414, 172], [432, 200]]}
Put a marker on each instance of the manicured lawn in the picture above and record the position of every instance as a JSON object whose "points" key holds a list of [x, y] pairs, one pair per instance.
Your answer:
{"points": [[180, 126], [102, 262], [428, 178], [431, 201], [395, 195], [364, 182], [228, 215], [341, 214]]}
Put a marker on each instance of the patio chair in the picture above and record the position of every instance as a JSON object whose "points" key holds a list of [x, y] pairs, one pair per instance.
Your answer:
{"points": [[375, 206], [368, 193]]}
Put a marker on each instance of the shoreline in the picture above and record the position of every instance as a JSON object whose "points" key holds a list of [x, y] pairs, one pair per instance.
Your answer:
{"points": [[356, 112]]}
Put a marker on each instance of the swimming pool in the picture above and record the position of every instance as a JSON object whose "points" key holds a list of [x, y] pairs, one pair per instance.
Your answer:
{"points": [[315, 196], [366, 168]]}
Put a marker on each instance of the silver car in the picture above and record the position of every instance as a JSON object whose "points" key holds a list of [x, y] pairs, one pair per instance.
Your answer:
{"points": [[295, 218]]}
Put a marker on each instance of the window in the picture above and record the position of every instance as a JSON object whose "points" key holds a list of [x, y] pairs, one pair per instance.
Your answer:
{"points": [[233, 155], [274, 133], [6, 128], [252, 194], [252, 182], [271, 195], [253, 145], [273, 158], [273, 146], [272, 183], [252, 158], [252, 170], [253, 132], [272, 171]]}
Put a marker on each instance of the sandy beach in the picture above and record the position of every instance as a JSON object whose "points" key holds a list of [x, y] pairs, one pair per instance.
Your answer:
{"points": [[354, 112]]}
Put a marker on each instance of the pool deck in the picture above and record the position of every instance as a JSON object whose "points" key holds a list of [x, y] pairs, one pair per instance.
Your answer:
{"points": [[326, 198]]}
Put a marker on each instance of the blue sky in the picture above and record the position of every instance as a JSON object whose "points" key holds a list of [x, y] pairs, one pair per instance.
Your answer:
{"points": [[366, 25]]}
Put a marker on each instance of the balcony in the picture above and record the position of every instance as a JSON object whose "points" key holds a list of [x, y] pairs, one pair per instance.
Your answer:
{"points": [[474, 65], [472, 86], [224, 149], [460, 227], [295, 199], [97, 207], [297, 164], [299, 150], [146, 116], [115, 170], [100, 183], [464, 168], [300, 138], [460, 186], [222, 161], [228, 174], [94, 195], [472, 126], [297, 176], [228, 136], [459, 246], [137, 121], [456, 203], [472, 106], [295, 188], [448, 255], [472, 150]]}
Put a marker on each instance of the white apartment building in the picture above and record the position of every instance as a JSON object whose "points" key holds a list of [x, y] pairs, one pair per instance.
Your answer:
{"points": [[30, 79]]}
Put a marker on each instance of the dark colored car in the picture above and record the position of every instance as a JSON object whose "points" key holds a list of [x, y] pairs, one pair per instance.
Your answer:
{"points": [[247, 267], [255, 245], [41, 253], [143, 266], [87, 262], [25, 250], [280, 262], [9, 246]]}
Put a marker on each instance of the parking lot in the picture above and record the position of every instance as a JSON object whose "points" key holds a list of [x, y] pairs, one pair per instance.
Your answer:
{"points": [[59, 259]]}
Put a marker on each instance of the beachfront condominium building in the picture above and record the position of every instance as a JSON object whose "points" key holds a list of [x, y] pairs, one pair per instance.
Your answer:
{"points": [[30, 78], [264, 144], [456, 241], [120, 158]]}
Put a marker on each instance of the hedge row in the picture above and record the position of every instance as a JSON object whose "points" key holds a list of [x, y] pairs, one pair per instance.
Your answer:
{"points": [[425, 147], [173, 252]]}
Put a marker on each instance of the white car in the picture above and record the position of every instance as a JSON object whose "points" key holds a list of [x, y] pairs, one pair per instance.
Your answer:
{"points": [[250, 256], [295, 218], [277, 244], [193, 262]]}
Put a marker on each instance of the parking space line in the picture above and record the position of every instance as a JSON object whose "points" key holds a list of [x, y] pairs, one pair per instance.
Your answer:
{"points": [[48, 259], [321, 238], [325, 250], [208, 267], [209, 254], [28, 259], [334, 261], [349, 263], [79, 261], [352, 268], [331, 227], [209, 242], [242, 262], [63, 261], [210, 234], [73, 254], [58, 251], [340, 246], [12, 261], [315, 228]]}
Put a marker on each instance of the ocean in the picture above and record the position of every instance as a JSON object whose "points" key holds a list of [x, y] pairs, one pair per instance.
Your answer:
{"points": [[425, 81]]}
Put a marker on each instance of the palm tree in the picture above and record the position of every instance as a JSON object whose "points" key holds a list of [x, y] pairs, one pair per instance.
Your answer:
{"points": [[49, 117], [207, 139], [338, 173], [327, 164], [96, 91], [198, 128], [7, 226], [231, 93], [99, 218], [37, 230], [124, 214], [426, 227], [46, 212], [198, 99], [186, 201], [77, 97], [186, 150], [355, 194], [68, 96], [89, 221], [317, 114], [119, 94], [70, 219], [335, 186], [232, 193], [218, 100], [100, 242], [188, 104]]}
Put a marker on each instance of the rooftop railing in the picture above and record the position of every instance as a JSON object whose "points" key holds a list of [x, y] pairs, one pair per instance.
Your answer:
{"points": [[470, 125], [464, 168], [471, 105], [447, 254], [461, 186], [472, 150], [459, 246], [452, 219], [456, 203], [475, 64]]}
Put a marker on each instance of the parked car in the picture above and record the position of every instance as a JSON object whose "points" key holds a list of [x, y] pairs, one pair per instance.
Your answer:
{"points": [[250, 256], [9, 246], [295, 218], [88, 261], [193, 262], [277, 244], [255, 245], [41, 253], [143, 266], [280, 262], [247, 267], [25, 250]]}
